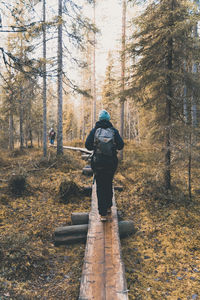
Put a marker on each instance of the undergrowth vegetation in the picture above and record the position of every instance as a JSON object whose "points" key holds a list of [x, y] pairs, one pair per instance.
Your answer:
{"points": [[162, 259]]}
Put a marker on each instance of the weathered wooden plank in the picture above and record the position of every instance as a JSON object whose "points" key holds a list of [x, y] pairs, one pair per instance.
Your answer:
{"points": [[103, 276], [117, 289]]}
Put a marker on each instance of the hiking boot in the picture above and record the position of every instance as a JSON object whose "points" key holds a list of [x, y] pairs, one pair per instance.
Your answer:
{"points": [[103, 218]]}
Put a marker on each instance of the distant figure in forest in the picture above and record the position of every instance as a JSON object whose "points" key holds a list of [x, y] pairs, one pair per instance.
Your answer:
{"points": [[105, 140], [52, 136]]}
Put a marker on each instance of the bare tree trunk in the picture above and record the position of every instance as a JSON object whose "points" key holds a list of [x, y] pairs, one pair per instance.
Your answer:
{"points": [[21, 133], [21, 104], [123, 58], [38, 138], [44, 83], [60, 96], [190, 165], [31, 137], [129, 121], [94, 68], [83, 119], [26, 135], [185, 112], [91, 102], [168, 104], [194, 104], [194, 100], [192, 124], [11, 129]]}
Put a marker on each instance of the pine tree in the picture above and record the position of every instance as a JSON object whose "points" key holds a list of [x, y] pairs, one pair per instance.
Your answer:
{"points": [[75, 28], [123, 65], [60, 74], [162, 44]]}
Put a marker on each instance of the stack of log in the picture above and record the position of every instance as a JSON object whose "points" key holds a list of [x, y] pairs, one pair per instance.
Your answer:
{"points": [[77, 232]]}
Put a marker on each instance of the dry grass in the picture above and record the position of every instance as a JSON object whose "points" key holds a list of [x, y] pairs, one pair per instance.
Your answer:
{"points": [[30, 266], [162, 259]]}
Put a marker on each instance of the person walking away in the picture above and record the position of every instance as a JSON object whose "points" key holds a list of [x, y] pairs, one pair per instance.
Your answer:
{"points": [[105, 140], [52, 136]]}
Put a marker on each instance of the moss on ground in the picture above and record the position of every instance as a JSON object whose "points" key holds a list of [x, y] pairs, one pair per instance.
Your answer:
{"points": [[162, 260], [31, 267]]}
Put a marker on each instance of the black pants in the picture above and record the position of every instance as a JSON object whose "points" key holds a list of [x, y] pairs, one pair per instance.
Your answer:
{"points": [[104, 190]]}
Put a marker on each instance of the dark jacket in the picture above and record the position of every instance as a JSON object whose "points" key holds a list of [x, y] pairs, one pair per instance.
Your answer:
{"points": [[102, 162], [89, 144]]}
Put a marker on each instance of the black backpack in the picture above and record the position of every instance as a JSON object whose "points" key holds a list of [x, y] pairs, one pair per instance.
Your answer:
{"points": [[104, 145], [52, 133], [104, 140]]}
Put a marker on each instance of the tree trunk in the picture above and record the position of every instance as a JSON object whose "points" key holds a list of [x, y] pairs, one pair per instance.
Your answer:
{"points": [[11, 129], [122, 99], [194, 104], [193, 124], [168, 103], [26, 136], [21, 133], [31, 137], [38, 139], [83, 120], [60, 96], [190, 166], [185, 109], [94, 69], [44, 83]]}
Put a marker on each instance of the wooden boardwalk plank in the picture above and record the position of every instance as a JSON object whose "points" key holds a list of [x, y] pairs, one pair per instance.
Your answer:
{"points": [[103, 276]]}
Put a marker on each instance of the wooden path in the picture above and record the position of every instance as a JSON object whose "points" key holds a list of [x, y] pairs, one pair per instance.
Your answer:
{"points": [[103, 276]]}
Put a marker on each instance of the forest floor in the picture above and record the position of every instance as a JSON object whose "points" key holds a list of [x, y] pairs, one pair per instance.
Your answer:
{"points": [[162, 259]]}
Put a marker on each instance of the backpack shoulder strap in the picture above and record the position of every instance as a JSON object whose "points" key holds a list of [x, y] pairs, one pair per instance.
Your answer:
{"points": [[97, 133]]}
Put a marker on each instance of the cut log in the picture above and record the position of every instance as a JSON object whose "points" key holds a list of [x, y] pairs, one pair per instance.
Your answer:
{"points": [[118, 188], [78, 233], [126, 228], [87, 170], [71, 230], [70, 239], [83, 217], [80, 218]]}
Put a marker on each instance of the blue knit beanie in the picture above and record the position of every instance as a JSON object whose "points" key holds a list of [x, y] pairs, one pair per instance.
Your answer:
{"points": [[104, 115]]}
